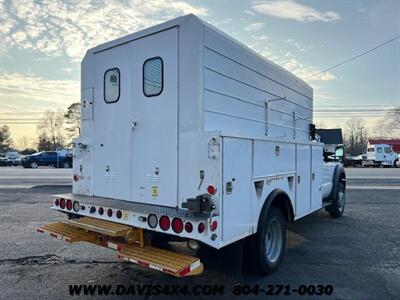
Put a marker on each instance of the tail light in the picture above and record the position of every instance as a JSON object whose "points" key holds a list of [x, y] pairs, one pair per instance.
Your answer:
{"points": [[164, 223], [152, 220], [211, 189], [201, 227], [109, 212], [76, 178], [57, 202], [62, 203], [177, 225], [214, 226], [188, 227], [69, 204], [118, 214], [101, 211]]}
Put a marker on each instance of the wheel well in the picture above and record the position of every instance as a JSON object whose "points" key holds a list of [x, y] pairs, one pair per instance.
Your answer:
{"points": [[283, 203], [279, 199], [342, 178]]}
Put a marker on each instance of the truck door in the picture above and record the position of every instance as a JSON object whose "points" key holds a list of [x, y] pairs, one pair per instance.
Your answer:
{"points": [[154, 124], [111, 140]]}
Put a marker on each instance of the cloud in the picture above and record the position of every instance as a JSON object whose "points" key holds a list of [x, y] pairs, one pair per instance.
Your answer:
{"points": [[254, 26], [289, 9], [56, 28], [28, 92]]}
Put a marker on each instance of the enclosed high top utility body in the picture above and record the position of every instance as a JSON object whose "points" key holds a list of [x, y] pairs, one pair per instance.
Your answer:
{"points": [[187, 132]]}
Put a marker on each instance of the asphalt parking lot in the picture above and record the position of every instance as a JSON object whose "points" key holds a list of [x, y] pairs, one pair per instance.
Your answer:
{"points": [[358, 254]]}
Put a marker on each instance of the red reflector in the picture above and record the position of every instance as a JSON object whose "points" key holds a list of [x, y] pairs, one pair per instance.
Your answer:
{"points": [[164, 223], [109, 212], [188, 227], [76, 177], [118, 214], [177, 225], [62, 203], [57, 202], [201, 227], [213, 225], [212, 190], [101, 211], [69, 204]]}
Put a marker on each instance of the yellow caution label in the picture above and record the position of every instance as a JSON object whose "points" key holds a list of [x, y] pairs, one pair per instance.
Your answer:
{"points": [[154, 191]]}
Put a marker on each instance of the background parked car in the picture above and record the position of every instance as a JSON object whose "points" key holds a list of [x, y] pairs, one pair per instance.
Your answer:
{"points": [[47, 158]]}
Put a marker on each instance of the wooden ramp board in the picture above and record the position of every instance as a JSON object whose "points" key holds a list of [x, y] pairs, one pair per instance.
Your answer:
{"points": [[101, 226], [68, 233], [167, 261], [174, 263]]}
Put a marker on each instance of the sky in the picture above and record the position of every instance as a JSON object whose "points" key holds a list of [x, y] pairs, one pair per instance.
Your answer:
{"points": [[43, 42]]}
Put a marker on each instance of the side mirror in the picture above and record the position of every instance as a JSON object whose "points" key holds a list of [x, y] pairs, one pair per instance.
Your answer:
{"points": [[339, 152]]}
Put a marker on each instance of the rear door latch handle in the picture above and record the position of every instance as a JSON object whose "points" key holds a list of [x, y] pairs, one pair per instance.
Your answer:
{"points": [[133, 125]]}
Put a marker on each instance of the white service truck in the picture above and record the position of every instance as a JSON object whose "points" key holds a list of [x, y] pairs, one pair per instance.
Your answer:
{"points": [[187, 133], [381, 155]]}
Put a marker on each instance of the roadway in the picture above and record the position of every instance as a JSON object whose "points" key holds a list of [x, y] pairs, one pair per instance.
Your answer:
{"points": [[358, 254]]}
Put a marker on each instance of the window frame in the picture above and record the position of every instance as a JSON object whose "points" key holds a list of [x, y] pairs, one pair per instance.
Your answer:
{"points": [[162, 76], [104, 85]]}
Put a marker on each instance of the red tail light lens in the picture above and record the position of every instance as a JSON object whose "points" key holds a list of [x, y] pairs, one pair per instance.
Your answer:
{"points": [[62, 203], [164, 223], [76, 177], [69, 204], [109, 212], [212, 190], [177, 225], [101, 211], [214, 226], [188, 227], [201, 227], [57, 202], [118, 214]]}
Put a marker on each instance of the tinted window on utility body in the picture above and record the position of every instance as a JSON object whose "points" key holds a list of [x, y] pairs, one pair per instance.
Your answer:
{"points": [[111, 85], [153, 77]]}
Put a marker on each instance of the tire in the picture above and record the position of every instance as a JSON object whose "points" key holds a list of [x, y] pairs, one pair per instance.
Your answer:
{"points": [[268, 244], [65, 165], [396, 163], [336, 209], [33, 165]]}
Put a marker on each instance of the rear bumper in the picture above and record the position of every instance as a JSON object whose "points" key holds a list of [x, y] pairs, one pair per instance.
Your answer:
{"points": [[136, 215]]}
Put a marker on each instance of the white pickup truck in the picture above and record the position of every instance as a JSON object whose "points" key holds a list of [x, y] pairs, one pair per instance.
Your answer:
{"points": [[187, 133]]}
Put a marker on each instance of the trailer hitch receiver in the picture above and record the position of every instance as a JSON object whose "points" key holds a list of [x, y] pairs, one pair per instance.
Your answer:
{"points": [[202, 203]]}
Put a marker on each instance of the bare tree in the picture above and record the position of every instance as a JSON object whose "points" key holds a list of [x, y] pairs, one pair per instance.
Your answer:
{"points": [[355, 137], [50, 129], [73, 120], [394, 120], [5, 139]]}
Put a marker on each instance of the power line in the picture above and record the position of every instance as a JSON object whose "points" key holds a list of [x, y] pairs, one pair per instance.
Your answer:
{"points": [[354, 57]]}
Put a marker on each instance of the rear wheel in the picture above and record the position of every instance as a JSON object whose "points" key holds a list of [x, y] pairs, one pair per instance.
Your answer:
{"points": [[396, 163], [269, 242], [65, 165], [337, 207]]}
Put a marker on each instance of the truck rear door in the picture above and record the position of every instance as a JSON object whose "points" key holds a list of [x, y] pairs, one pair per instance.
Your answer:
{"points": [[111, 139], [154, 118]]}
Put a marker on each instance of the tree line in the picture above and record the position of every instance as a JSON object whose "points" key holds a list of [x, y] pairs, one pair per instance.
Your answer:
{"points": [[58, 127], [54, 130]]}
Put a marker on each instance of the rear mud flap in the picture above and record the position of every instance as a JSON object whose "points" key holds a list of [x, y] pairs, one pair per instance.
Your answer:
{"points": [[127, 241]]}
